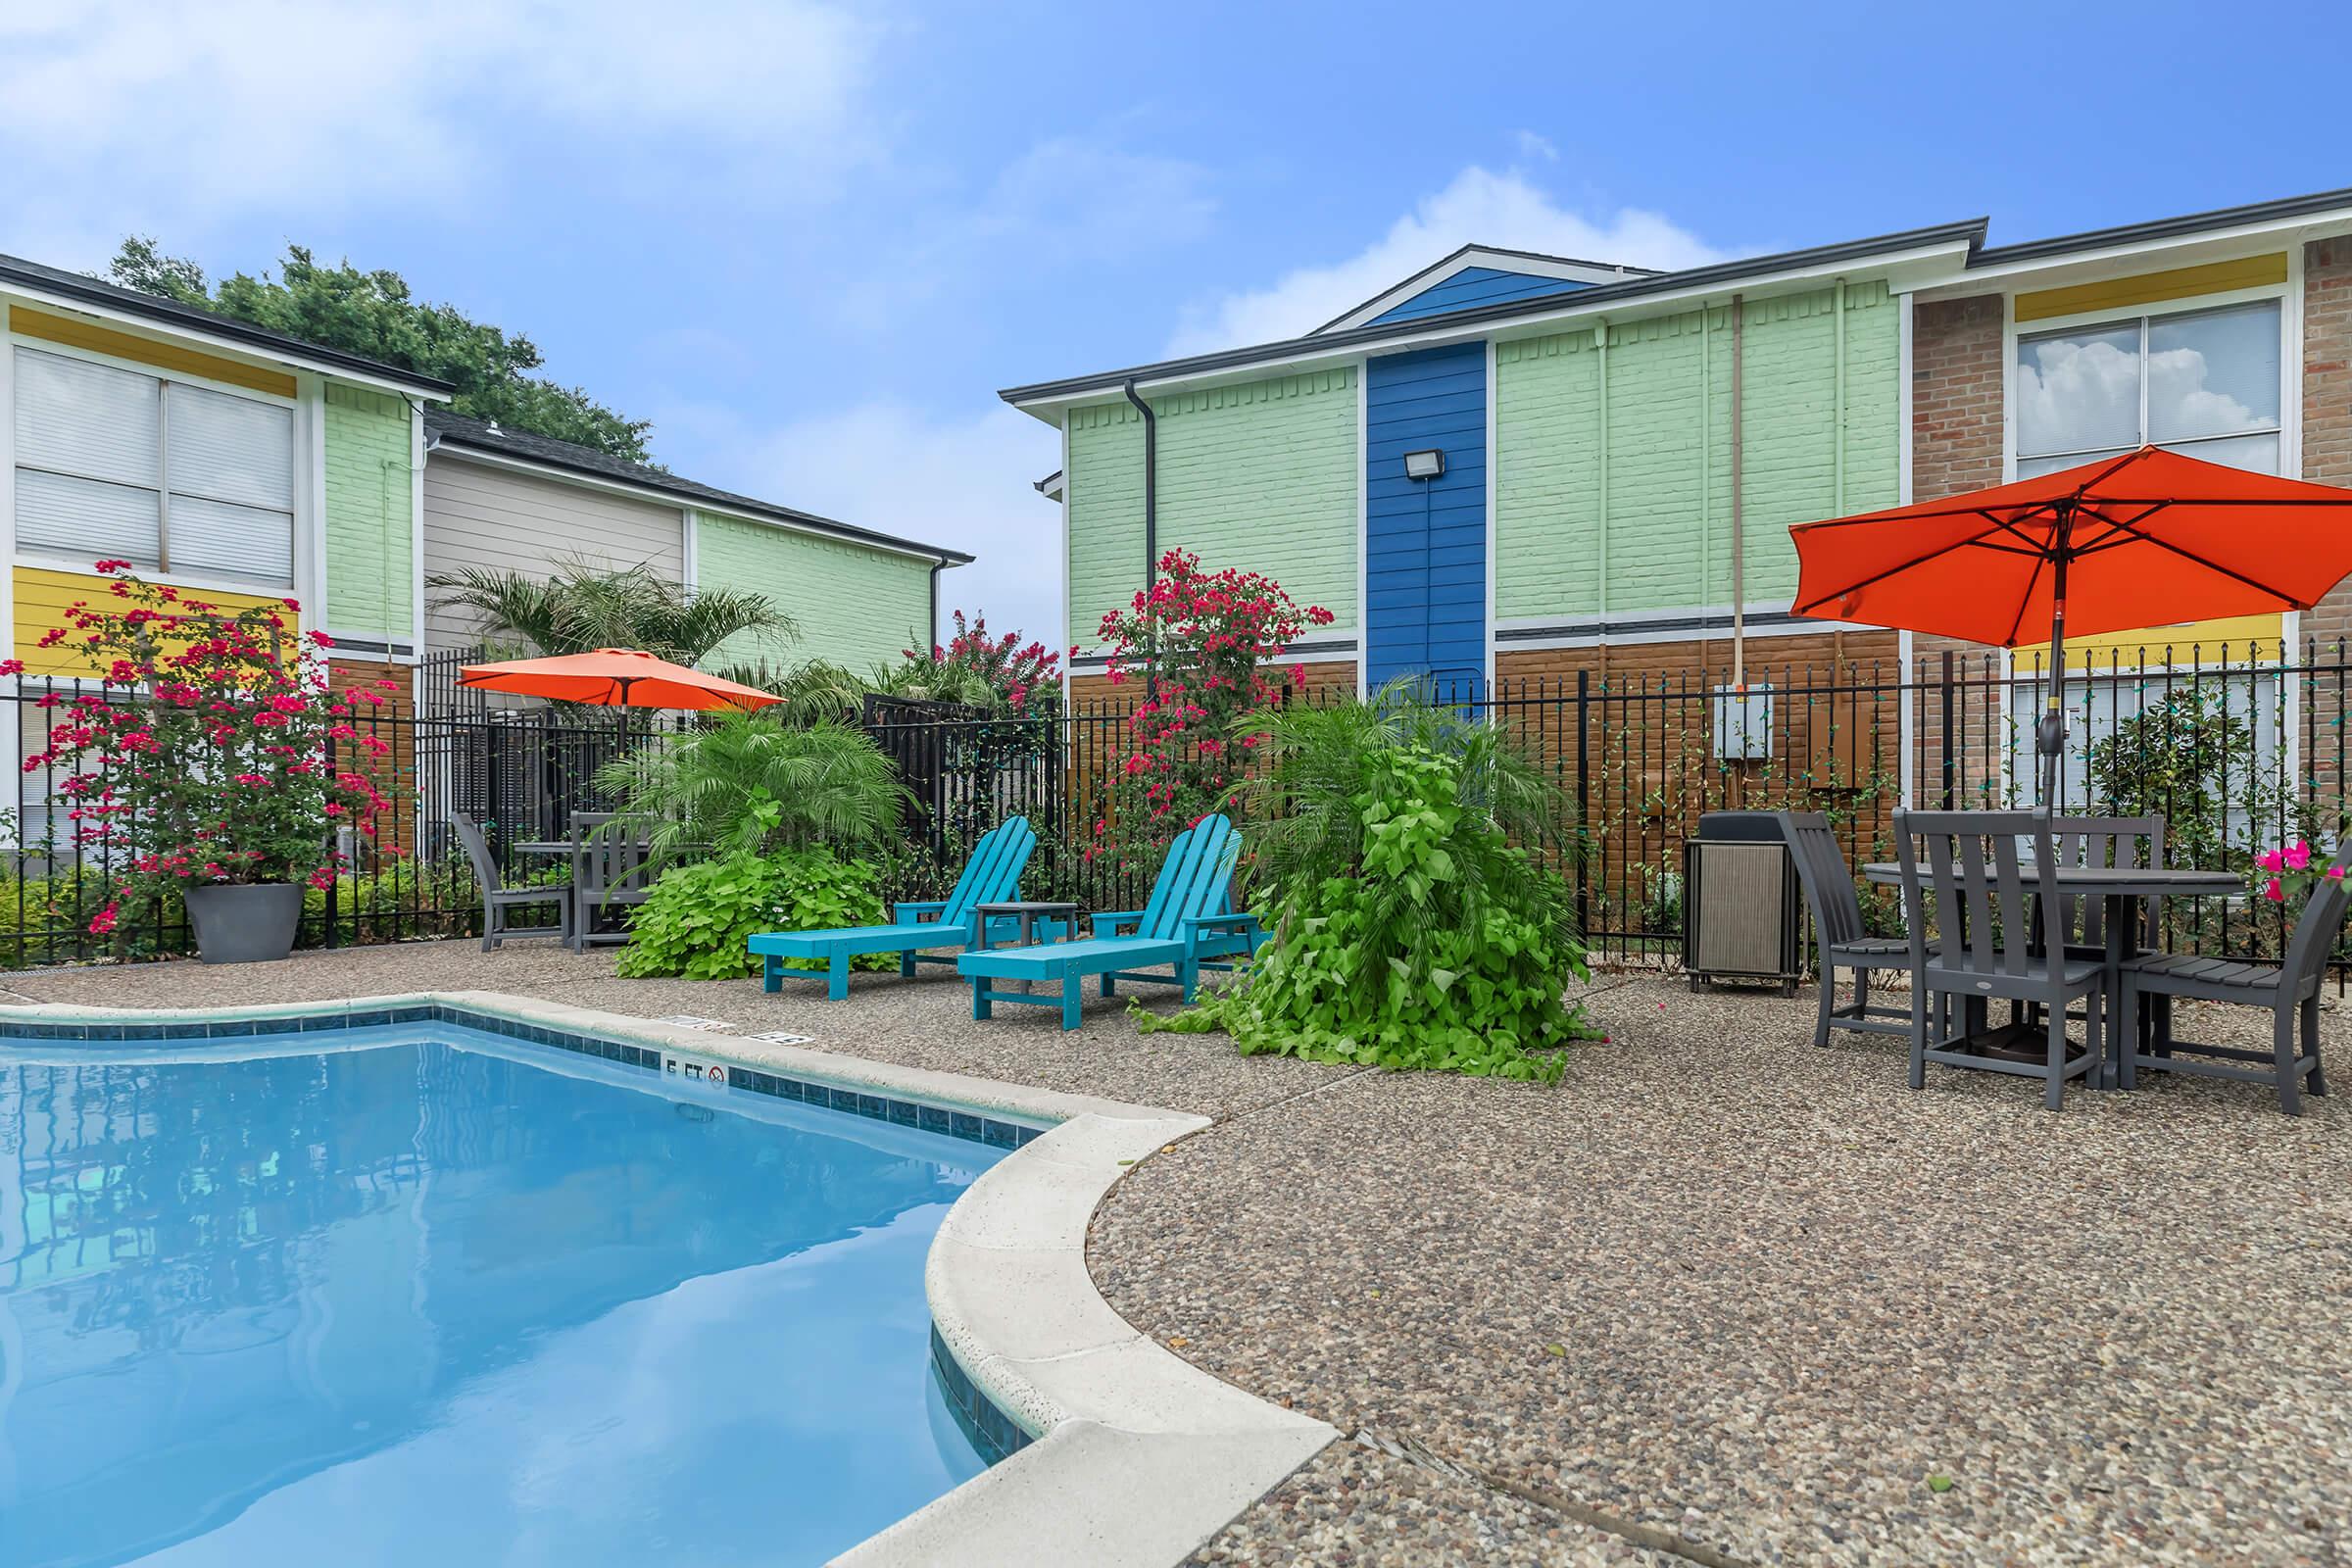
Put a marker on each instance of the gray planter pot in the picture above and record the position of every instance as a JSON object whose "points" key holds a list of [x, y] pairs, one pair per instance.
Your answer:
{"points": [[251, 923]]}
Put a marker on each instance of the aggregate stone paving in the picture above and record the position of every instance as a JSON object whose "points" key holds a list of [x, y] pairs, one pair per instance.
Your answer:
{"points": [[1764, 1297], [1718, 1283]]}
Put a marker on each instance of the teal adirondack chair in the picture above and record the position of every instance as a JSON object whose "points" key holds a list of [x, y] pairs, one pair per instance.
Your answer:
{"points": [[1188, 924], [993, 875]]}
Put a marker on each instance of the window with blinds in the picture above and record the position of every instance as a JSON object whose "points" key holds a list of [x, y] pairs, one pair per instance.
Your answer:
{"points": [[171, 477]]}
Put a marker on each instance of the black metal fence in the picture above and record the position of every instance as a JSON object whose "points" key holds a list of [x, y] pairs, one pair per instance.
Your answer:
{"points": [[2240, 749]]}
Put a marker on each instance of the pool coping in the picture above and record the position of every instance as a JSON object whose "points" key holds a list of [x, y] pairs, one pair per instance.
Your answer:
{"points": [[1121, 1453]]}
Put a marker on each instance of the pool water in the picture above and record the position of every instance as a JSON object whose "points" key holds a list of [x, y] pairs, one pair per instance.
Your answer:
{"points": [[428, 1296]]}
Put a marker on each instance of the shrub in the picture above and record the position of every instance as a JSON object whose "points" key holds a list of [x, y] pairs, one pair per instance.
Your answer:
{"points": [[694, 921], [1205, 639], [207, 755], [753, 784], [1411, 930]]}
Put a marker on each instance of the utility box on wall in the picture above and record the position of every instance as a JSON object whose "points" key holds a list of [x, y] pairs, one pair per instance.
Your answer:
{"points": [[1743, 914], [1743, 723]]}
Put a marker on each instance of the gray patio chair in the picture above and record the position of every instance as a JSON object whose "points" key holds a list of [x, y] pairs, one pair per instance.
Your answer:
{"points": [[2290, 989], [2105, 842], [1986, 903], [498, 899], [1845, 944], [608, 870]]}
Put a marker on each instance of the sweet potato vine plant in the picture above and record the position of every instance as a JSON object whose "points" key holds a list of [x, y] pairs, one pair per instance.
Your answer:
{"points": [[213, 748]]}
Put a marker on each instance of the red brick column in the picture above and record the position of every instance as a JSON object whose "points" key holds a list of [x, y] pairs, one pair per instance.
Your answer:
{"points": [[2327, 459], [1956, 380]]}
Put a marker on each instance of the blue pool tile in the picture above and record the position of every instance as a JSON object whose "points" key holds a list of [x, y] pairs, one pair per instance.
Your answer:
{"points": [[963, 1124]]}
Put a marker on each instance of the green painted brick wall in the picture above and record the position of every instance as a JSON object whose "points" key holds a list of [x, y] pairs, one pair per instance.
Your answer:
{"points": [[853, 605], [1261, 476], [1668, 477], [370, 513]]}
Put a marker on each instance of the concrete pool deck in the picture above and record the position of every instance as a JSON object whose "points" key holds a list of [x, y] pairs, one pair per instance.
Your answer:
{"points": [[1718, 1297]]}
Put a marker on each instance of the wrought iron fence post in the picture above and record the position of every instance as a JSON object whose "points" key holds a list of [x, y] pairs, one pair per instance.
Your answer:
{"points": [[334, 870], [1584, 814], [1951, 756]]}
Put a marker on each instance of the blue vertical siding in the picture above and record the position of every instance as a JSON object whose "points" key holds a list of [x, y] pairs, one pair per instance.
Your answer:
{"points": [[1476, 286], [1424, 540]]}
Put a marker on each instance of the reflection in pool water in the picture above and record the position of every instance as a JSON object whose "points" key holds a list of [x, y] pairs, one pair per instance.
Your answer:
{"points": [[453, 1301]]}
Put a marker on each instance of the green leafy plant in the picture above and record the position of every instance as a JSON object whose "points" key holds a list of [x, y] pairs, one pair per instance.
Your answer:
{"points": [[1414, 929], [582, 608], [696, 920], [752, 784]]}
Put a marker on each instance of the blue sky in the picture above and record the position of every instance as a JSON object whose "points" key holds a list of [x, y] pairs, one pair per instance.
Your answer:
{"points": [[810, 240]]}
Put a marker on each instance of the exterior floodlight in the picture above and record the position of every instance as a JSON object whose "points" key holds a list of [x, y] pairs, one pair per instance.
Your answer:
{"points": [[1424, 465]]}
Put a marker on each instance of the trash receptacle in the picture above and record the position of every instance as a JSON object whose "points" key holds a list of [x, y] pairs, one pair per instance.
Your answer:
{"points": [[1743, 914]]}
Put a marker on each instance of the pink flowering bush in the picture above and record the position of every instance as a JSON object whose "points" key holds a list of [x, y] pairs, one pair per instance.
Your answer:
{"points": [[1209, 639], [214, 750], [1025, 678], [2292, 874]]}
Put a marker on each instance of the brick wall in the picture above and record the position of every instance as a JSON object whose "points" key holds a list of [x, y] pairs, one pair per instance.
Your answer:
{"points": [[395, 770], [2327, 459], [2328, 400], [1956, 377]]}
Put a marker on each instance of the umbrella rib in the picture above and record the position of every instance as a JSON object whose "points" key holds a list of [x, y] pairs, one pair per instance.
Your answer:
{"points": [[2024, 600], [1812, 605], [2211, 565]]}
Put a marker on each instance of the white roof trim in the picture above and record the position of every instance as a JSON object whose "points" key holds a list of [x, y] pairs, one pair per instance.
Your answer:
{"points": [[227, 348], [1470, 256], [1902, 270]]}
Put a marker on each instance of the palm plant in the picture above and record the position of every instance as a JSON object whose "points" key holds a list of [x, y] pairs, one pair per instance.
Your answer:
{"points": [[583, 606], [751, 783]]}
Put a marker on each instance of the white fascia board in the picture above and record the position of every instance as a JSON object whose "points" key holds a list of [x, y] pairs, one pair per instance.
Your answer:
{"points": [[666, 498], [1902, 270], [224, 347], [2126, 259]]}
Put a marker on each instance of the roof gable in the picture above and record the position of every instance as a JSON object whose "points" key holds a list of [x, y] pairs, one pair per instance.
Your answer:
{"points": [[1480, 274]]}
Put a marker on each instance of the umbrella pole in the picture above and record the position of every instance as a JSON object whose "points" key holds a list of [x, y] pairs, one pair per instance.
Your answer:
{"points": [[2051, 737]]}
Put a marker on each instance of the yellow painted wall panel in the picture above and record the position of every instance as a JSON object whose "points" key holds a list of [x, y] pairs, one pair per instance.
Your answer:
{"points": [[43, 595], [2146, 288], [146, 351], [2202, 640]]}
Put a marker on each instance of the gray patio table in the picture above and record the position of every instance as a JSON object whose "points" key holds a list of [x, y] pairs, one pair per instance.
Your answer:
{"points": [[2121, 887]]}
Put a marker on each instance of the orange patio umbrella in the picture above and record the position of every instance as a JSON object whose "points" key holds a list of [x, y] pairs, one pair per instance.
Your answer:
{"points": [[613, 677], [2144, 539]]}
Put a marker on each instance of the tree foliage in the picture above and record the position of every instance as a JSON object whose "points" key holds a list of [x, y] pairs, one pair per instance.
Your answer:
{"points": [[377, 315]]}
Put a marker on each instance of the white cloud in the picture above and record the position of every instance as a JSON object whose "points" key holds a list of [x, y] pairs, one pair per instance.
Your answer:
{"points": [[117, 114], [960, 481], [1480, 207]]}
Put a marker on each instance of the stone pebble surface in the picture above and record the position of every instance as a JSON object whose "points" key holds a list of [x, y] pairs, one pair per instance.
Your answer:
{"points": [[1717, 1283]]}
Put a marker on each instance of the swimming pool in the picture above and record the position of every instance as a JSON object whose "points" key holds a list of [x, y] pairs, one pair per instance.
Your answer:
{"points": [[417, 1293]]}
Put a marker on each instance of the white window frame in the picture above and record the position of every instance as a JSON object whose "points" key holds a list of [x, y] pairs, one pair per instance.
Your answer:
{"points": [[302, 458], [2290, 295]]}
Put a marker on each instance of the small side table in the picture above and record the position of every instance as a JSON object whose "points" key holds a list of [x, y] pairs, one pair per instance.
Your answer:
{"points": [[1028, 915]]}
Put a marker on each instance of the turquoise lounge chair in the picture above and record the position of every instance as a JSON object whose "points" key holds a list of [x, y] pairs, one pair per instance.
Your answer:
{"points": [[993, 875], [1188, 923]]}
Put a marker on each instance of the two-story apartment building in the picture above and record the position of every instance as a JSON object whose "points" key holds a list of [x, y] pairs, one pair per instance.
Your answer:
{"points": [[1510, 465], [222, 457]]}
